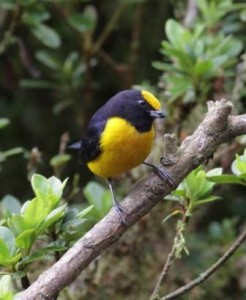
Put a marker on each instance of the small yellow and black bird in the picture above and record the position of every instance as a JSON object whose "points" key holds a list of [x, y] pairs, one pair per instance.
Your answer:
{"points": [[119, 137]]}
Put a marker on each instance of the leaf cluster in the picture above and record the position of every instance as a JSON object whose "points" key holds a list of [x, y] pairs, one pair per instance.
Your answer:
{"points": [[195, 56], [45, 218]]}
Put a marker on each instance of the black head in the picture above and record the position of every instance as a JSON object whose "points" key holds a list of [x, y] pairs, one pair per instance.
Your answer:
{"points": [[139, 108]]}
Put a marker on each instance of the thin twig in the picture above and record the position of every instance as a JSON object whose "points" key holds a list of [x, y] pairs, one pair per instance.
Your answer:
{"points": [[8, 35], [165, 269], [205, 275], [109, 27], [136, 33], [181, 225]]}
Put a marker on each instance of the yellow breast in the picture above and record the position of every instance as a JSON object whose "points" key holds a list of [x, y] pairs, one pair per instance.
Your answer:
{"points": [[122, 148]]}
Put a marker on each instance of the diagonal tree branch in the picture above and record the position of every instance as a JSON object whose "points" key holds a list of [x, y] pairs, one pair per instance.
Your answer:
{"points": [[217, 127]]}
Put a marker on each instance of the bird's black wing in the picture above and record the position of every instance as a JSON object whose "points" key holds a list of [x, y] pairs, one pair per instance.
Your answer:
{"points": [[117, 106], [90, 144]]}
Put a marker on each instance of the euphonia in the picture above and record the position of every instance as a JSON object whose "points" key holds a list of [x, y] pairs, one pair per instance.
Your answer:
{"points": [[119, 137]]}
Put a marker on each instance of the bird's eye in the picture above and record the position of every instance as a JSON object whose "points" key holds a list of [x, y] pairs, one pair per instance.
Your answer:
{"points": [[141, 102]]}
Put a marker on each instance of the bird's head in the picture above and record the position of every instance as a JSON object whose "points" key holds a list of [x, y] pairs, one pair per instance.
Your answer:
{"points": [[140, 108], [150, 105]]}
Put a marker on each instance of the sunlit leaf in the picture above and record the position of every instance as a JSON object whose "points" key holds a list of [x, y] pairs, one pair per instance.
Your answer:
{"points": [[10, 205], [53, 216], [8, 249], [26, 239], [6, 287]]}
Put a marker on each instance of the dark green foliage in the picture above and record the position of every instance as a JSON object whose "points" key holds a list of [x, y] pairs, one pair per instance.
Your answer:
{"points": [[59, 61]]}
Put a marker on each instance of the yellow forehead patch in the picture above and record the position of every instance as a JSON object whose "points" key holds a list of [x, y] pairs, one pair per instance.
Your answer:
{"points": [[151, 99]]}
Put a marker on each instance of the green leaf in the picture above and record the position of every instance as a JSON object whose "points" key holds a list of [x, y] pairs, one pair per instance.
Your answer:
{"points": [[37, 84], [219, 60], [4, 122], [46, 35], [8, 248], [178, 86], [40, 185], [242, 177], [48, 60], [181, 58], [191, 184], [94, 193], [197, 185], [26, 239], [239, 164], [2, 157], [225, 178], [73, 228], [35, 18], [16, 224], [205, 185], [202, 67], [180, 191], [243, 15], [34, 212], [173, 197], [84, 212], [55, 190], [174, 32], [234, 47], [70, 63], [49, 190], [41, 253], [13, 151], [52, 217], [27, 2], [85, 21], [206, 200], [10, 205], [99, 197], [6, 287], [60, 160], [9, 239], [7, 4], [163, 66], [4, 253], [214, 172], [79, 22]]}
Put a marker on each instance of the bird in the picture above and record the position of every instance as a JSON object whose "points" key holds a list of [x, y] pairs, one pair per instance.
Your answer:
{"points": [[119, 137]]}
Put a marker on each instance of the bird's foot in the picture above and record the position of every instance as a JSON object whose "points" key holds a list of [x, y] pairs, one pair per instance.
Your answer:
{"points": [[162, 173], [121, 212]]}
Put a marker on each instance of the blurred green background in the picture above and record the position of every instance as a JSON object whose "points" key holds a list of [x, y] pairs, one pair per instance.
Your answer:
{"points": [[61, 60]]}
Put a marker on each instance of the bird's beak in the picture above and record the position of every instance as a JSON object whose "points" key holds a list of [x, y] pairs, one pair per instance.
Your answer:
{"points": [[75, 146], [157, 114]]}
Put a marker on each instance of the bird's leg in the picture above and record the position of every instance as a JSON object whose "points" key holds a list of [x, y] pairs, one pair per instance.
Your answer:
{"points": [[120, 211], [162, 173]]}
